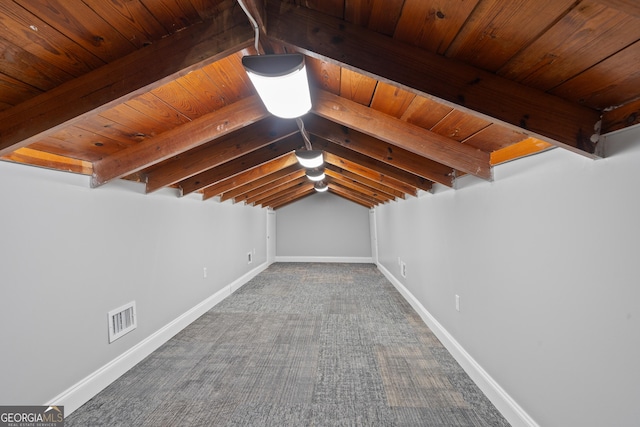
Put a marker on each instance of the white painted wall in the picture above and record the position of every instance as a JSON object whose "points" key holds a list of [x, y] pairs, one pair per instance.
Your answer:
{"points": [[69, 254], [323, 227], [545, 260]]}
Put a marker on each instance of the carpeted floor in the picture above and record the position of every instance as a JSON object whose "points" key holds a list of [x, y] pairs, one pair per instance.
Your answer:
{"points": [[299, 345]]}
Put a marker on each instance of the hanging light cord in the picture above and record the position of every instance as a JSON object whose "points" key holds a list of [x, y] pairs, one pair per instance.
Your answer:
{"points": [[253, 23], [303, 132]]}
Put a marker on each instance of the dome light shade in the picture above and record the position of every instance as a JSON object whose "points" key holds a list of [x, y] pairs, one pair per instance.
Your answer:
{"points": [[320, 187], [316, 174], [281, 82], [310, 158]]}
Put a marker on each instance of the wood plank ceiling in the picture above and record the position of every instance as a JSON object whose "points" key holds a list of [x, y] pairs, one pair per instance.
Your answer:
{"points": [[405, 93]]}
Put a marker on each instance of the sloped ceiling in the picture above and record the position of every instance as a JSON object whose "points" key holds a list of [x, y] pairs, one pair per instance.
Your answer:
{"points": [[405, 93]]}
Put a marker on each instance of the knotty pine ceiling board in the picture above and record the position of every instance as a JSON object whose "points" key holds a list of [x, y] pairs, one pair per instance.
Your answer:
{"points": [[459, 125], [155, 109], [323, 75], [174, 15], [30, 69], [131, 19], [432, 24], [611, 83], [82, 25], [391, 100], [585, 36], [117, 133], [38, 38], [82, 144], [357, 87], [14, 92], [377, 15], [497, 30], [230, 78], [494, 137], [425, 112]]}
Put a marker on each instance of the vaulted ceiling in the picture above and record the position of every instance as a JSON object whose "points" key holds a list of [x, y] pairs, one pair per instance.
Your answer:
{"points": [[405, 93]]}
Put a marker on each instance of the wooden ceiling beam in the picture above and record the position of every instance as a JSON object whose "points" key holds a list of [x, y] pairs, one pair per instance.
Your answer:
{"points": [[404, 135], [375, 148], [481, 93], [354, 196], [287, 201], [228, 147], [355, 186], [368, 162], [369, 173], [249, 175], [240, 192], [302, 188], [256, 190], [290, 198], [234, 167], [178, 140], [277, 190], [369, 183], [123, 79]]}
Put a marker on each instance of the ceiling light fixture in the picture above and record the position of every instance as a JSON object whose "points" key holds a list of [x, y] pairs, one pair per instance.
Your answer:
{"points": [[320, 187], [308, 158], [281, 81], [316, 174]]}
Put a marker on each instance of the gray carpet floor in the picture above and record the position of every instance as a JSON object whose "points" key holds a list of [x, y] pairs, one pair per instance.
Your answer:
{"points": [[302, 344]]}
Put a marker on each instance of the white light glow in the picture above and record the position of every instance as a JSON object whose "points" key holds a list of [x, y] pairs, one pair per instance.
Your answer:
{"points": [[284, 96], [320, 187], [316, 176], [310, 158]]}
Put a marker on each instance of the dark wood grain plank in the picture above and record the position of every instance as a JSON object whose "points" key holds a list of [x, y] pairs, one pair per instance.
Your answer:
{"points": [[402, 134], [178, 140], [81, 24], [249, 175], [498, 30], [484, 94], [119, 81], [379, 150], [432, 24], [588, 34]]}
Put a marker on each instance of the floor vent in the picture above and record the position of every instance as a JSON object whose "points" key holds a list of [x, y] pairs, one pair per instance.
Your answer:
{"points": [[122, 320]]}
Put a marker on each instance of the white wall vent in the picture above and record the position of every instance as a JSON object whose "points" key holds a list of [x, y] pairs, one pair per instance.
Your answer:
{"points": [[122, 320]]}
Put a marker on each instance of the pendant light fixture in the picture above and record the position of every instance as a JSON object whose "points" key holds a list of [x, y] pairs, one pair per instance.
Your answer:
{"points": [[308, 158], [320, 187], [281, 82], [316, 174]]}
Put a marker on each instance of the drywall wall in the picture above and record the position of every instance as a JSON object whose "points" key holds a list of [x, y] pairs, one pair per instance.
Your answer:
{"points": [[544, 260], [69, 254], [320, 227]]}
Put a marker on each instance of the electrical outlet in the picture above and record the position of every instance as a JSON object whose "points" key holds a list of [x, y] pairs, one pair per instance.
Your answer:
{"points": [[457, 302], [249, 257], [204, 273], [403, 269]]}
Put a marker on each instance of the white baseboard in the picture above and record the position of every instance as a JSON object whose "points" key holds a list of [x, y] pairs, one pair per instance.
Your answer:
{"points": [[81, 392], [352, 260], [508, 407]]}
